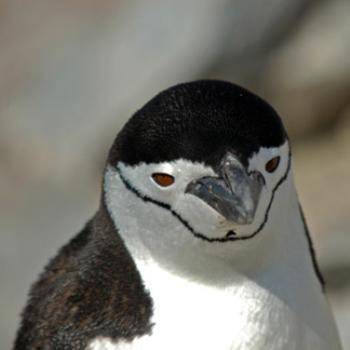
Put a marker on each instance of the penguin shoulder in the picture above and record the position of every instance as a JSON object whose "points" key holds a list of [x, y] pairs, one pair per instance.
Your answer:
{"points": [[91, 288]]}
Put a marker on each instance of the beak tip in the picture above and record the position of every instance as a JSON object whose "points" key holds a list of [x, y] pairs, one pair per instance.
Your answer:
{"points": [[246, 218], [235, 194]]}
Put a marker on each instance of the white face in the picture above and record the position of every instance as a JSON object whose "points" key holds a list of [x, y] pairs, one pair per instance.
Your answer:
{"points": [[170, 208]]}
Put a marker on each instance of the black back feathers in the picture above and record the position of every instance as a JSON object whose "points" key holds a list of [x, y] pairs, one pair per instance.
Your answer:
{"points": [[90, 289], [198, 121]]}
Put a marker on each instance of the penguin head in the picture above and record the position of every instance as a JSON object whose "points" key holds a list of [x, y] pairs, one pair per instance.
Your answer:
{"points": [[205, 158]]}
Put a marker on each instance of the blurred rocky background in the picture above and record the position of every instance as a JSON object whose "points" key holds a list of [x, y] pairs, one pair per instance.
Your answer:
{"points": [[72, 72]]}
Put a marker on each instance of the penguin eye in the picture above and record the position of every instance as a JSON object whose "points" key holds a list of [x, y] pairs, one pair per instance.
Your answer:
{"points": [[272, 164], [163, 180]]}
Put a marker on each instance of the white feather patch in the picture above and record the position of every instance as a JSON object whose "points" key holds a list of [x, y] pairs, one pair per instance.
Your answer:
{"points": [[257, 294]]}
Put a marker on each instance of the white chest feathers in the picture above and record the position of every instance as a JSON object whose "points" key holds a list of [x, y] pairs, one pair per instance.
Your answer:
{"points": [[189, 315]]}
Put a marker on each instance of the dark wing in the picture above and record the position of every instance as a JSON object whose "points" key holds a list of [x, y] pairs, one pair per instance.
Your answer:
{"points": [[91, 288]]}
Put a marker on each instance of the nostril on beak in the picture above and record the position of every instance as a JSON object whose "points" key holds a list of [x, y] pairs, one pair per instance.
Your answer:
{"points": [[234, 195], [257, 176]]}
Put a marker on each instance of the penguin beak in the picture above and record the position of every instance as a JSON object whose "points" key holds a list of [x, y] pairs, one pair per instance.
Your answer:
{"points": [[235, 194]]}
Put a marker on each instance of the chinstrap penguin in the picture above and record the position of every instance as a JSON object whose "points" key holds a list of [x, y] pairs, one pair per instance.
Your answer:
{"points": [[199, 241]]}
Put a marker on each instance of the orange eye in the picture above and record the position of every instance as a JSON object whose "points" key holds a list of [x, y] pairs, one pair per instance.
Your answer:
{"points": [[272, 164], [163, 180]]}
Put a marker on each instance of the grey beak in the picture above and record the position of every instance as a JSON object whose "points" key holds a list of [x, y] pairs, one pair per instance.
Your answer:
{"points": [[235, 194]]}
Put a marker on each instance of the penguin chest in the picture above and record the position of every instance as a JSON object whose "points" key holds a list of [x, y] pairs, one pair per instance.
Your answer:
{"points": [[191, 315]]}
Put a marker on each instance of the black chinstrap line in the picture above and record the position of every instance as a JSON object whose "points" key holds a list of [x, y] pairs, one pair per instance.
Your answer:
{"points": [[185, 222], [228, 239], [312, 251]]}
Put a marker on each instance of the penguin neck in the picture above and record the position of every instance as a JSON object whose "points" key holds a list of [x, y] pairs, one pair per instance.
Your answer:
{"points": [[281, 255], [274, 265], [278, 256]]}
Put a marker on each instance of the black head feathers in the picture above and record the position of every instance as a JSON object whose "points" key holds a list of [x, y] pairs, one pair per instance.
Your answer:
{"points": [[198, 121]]}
